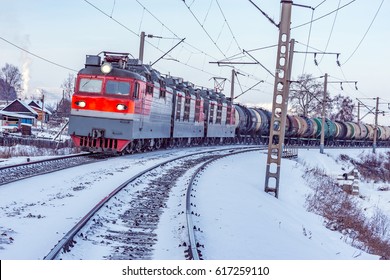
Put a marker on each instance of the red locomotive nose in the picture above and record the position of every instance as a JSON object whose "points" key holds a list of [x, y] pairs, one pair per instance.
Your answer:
{"points": [[102, 104]]}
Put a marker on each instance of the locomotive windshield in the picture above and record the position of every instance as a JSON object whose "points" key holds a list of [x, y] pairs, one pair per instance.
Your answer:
{"points": [[90, 85], [115, 87]]}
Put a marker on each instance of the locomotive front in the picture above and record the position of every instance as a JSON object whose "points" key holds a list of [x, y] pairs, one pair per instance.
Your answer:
{"points": [[104, 106]]}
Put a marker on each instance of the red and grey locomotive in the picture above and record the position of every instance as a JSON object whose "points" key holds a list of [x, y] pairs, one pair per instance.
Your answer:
{"points": [[122, 105]]}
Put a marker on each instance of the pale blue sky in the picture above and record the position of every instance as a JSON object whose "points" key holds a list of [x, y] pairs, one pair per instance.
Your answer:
{"points": [[65, 31]]}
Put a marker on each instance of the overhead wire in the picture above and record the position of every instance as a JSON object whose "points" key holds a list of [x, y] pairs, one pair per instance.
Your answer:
{"points": [[118, 22], [320, 4], [331, 31], [228, 25], [365, 34], [174, 34], [323, 16], [192, 46], [178, 61], [134, 33], [308, 40], [208, 11], [204, 29], [38, 56], [113, 7], [265, 14]]}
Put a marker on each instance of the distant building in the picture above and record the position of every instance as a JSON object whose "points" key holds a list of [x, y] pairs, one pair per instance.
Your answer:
{"points": [[12, 122], [20, 107], [18, 116], [37, 106]]}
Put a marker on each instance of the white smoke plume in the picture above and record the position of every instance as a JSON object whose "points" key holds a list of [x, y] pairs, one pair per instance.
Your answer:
{"points": [[26, 62]]}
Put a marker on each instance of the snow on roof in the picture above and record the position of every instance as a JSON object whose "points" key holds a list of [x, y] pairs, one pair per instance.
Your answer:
{"points": [[23, 104], [15, 115], [39, 105]]}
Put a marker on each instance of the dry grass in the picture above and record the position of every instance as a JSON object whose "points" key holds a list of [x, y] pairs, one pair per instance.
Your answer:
{"points": [[372, 167], [29, 151], [343, 213]]}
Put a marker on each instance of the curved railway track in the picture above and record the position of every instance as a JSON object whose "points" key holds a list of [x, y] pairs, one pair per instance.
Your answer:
{"points": [[13, 173], [193, 251], [127, 218]]}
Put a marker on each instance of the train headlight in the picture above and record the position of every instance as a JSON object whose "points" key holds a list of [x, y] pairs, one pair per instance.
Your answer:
{"points": [[81, 104], [106, 68], [121, 107]]}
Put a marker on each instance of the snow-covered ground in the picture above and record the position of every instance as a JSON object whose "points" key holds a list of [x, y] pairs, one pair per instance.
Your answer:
{"points": [[238, 220]]}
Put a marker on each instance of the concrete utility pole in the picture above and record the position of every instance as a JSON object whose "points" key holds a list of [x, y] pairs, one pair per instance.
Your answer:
{"points": [[376, 125], [322, 143], [232, 85], [43, 109], [141, 47], [280, 101], [358, 113]]}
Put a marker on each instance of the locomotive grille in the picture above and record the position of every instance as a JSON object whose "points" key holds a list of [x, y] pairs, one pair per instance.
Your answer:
{"points": [[102, 143]]}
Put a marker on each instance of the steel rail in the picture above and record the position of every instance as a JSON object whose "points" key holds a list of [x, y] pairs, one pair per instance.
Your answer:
{"points": [[193, 246], [37, 168], [67, 240]]}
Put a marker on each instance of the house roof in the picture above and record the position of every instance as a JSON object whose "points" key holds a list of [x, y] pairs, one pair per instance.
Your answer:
{"points": [[15, 115], [37, 104], [18, 106]]}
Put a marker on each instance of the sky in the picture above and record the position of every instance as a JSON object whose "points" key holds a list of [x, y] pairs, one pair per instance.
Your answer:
{"points": [[63, 32], [238, 220]]}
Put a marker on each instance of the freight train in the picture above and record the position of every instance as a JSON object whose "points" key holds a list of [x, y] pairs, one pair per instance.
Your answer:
{"points": [[120, 105]]}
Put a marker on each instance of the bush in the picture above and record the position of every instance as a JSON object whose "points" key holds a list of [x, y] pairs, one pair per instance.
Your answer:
{"points": [[374, 167], [342, 213]]}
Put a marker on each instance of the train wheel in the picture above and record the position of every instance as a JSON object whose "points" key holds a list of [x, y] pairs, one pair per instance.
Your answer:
{"points": [[171, 143], [148, 145], [130, 148], [138, 146], [157, 144]]}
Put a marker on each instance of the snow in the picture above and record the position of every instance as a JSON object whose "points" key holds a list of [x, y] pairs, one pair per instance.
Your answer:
{"points": [[237, 221]]}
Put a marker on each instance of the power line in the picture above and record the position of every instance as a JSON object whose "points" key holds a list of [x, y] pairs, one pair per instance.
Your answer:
{"points": [[194, 47], [131, 31], [228, 25], [321, 17], [331, 31], [308, 40], [264, 14], [204, 29], [176, 60], [174, 34], [364, 36], [37, 56], [110, 16], [320, 4]]}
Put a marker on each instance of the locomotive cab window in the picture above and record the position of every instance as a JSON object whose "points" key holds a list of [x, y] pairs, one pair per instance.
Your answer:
{"points": [[115, 87], [90, 85], [136, 91]]}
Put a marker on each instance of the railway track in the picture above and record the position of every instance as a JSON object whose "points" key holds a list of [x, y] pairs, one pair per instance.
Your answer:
{"points": [[125, 221], [13, 173], [193, 252]]}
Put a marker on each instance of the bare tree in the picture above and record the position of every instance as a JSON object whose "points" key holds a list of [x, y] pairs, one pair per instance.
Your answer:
{"points": [[67, 86], [307, 95], [343, 109], [11, 82]]}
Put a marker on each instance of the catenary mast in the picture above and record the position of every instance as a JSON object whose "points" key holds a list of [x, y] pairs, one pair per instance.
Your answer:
{"points": [[280, 101]]}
